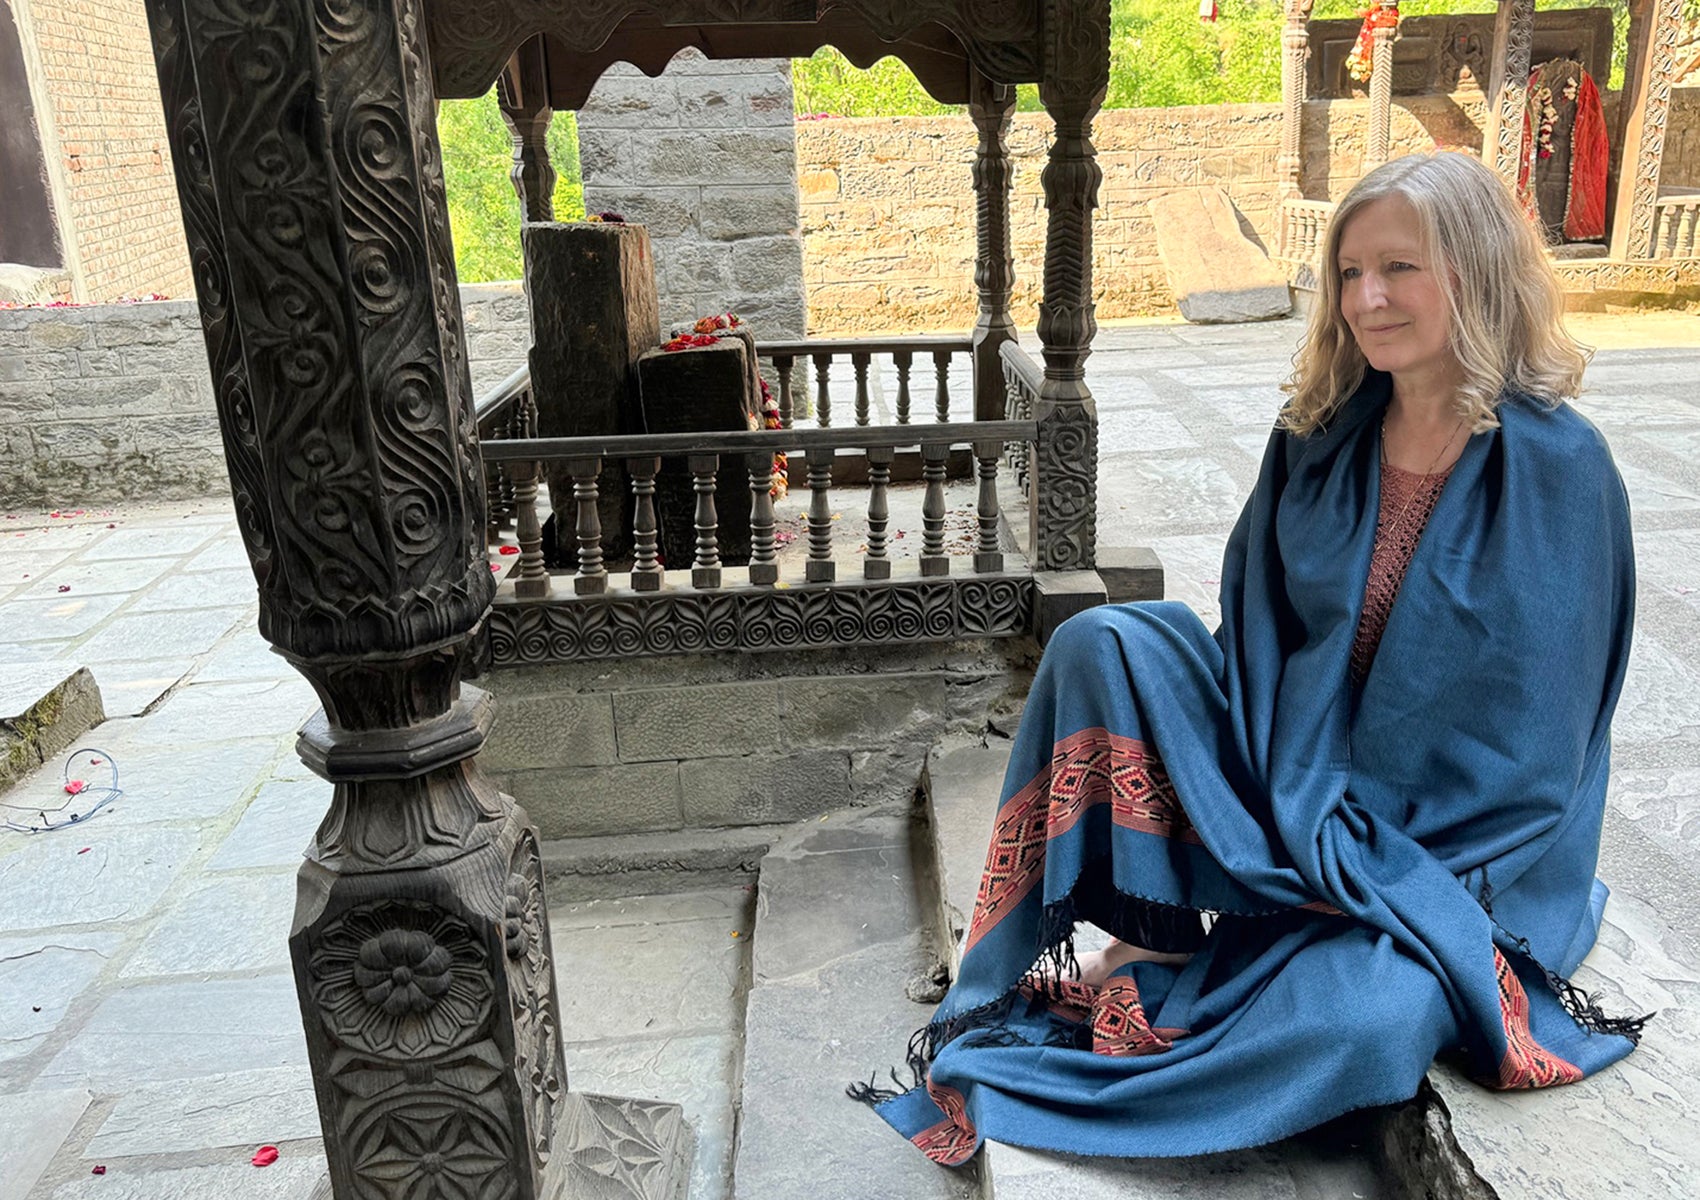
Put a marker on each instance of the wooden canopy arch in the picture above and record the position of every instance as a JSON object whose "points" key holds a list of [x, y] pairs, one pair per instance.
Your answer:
{"points": [[1005, 41]]}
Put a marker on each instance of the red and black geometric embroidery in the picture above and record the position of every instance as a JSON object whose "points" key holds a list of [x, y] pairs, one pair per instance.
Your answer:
{"points": [[1119, 1027], [1526, 1064], [1091, 767], [950, 1143]]}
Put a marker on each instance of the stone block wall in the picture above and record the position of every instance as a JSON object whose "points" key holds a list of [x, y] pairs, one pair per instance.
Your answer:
{"points": [[888, 205], [706, 157], [114, 402], [103, 134], [751, 740]]}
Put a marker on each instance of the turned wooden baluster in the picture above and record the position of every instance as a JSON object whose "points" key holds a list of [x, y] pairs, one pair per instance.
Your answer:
{"points": [[530, 576], [783, 363], [820, 567], [878, 563], [987, 556], [764, 562], [905, 361], [646, 562], [933, 558], [941, 399], [823, 395], [705, 572], [860, 363], [592, 577]]}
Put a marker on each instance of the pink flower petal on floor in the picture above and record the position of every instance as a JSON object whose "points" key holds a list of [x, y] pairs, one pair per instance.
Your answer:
{"points": [[265, 1156], [99, 1169], [74, 787], [508, 550]]}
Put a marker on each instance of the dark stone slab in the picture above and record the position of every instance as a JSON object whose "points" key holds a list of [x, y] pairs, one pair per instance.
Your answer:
{"points": [[591, 288], [701, 390]]}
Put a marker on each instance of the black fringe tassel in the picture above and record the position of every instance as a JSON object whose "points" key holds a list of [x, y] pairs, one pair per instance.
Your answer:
{"points": [[1583, 1007]]}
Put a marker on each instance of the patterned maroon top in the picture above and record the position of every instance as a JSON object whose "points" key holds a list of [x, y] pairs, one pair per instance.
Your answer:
{"points": [[1407, 499]]}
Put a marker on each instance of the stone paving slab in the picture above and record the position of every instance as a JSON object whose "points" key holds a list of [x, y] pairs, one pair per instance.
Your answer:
{"points": [[241, 1109], [184, 1029], [32, 1128], [41, 976], [224, 923], [292, 1177], [276, 827], [89, 873]]}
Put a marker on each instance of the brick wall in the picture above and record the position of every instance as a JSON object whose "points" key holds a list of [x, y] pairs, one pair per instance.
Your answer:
{"points": [[888, 207], [96, 64], [706, 157], [114, 402]]}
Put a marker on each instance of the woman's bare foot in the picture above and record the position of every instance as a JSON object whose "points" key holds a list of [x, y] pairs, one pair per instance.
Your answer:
{"points": [[1096, 966]]}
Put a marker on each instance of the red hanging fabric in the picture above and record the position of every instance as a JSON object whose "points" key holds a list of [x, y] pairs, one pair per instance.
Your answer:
{"points": [[1590, 160]]}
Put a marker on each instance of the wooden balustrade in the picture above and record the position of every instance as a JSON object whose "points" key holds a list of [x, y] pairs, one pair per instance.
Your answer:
{"points": [[752, 453], [860, 353], [1676, 226]]}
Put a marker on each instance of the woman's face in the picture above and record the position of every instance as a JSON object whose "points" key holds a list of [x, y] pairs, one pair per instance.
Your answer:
{"points": [[1390, 291]]}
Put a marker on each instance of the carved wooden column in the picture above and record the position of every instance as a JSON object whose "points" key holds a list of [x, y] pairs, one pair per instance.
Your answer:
{"points": [[990, 105], [1295, 50], [522, 93], [304, 143], [1065, 462], [1654, 25], [1508, 88], [1381, 89]]}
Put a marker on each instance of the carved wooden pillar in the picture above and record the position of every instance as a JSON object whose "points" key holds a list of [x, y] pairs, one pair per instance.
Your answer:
{"points": [[1508, 88], [1065, 463], [522, 93], [304, 143], [990, 105], [1654, 26], [1381, 91], [1295, 50]]}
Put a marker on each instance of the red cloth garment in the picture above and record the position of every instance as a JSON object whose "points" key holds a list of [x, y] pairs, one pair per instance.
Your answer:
{"points": [[1590, 160]]}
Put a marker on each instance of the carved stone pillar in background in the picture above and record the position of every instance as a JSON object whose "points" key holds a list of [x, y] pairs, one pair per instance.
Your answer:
{"points": [[1645, 101], [1064, 514], [1508, 88], [1295, 43], [522, 93], [1381, 94], [991, 106], [303, 138]]}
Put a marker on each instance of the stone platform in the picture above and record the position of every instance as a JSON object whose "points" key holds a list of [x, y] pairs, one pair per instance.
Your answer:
{"points": [[148, 1021]]}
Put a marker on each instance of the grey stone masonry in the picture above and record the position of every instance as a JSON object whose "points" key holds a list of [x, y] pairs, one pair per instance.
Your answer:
{"points": [[706, 157], [114, 402]]}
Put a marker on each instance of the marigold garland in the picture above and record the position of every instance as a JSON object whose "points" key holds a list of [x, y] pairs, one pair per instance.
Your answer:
{"points": [[1360, 63]]}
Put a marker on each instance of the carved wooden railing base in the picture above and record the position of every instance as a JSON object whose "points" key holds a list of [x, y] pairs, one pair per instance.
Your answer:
{"points": [[907, 608]]}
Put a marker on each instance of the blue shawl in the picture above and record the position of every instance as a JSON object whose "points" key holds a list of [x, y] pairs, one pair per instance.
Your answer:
{"points": [[1393, 870]]}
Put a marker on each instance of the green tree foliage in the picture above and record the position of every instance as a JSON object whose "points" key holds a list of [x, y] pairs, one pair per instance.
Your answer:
{"points": [[1161, 56], [484, 212]]}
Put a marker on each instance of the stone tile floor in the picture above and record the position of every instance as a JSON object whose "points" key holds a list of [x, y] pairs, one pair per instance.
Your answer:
{"points": [[147, 1017]]}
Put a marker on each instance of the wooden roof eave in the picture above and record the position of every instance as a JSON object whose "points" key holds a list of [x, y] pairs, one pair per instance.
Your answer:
{"points": [[938, 40]]}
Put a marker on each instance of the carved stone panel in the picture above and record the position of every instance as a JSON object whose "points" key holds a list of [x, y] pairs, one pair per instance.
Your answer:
{"points": [[1441, 54]]}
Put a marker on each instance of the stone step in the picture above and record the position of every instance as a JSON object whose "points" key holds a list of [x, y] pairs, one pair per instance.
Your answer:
{"points": [[963, 780], [843, 924], [44, 708], [649, 864]]}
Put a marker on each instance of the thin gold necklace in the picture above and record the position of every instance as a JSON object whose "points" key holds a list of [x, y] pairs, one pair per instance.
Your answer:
{"points": [[1398, 521]]}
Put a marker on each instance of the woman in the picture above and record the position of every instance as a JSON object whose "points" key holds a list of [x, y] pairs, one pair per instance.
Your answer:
{"points": [[1384, 776]]}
